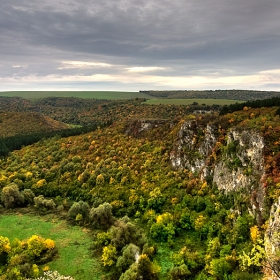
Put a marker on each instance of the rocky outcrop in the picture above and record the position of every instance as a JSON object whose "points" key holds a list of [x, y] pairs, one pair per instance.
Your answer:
{"points": [[272, 243], [138, 128], [191, 153], [240, 165], [242, 168]]}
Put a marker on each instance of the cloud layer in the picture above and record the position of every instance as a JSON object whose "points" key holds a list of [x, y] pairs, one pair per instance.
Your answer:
{"points": [[133, 45]]}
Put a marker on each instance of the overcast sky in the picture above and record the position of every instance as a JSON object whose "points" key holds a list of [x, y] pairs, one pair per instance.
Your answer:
{"points": [[136, 45]]}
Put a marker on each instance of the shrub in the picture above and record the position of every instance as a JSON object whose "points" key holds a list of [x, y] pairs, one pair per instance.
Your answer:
{"points": [[28, 196], [11, 196], [179, 272], [79, 211], [43, 203], [109, 255], [102, 215], [131, 273], [5, 248], [145, 270], [124, 233], [25, 256], [130, 255]]}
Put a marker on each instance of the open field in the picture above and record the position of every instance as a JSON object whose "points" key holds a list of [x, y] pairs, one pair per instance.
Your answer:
{"points": [[190, 101], [73, 243], [110, 95]]}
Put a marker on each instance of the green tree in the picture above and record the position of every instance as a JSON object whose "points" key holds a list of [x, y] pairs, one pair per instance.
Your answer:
{"points": [[129, 256]]}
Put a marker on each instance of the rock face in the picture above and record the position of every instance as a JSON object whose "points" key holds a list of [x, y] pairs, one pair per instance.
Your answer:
{"points": [[139, 127], [243, 162], [272, 242], [240, 165], [188, 153], [242, 168]]}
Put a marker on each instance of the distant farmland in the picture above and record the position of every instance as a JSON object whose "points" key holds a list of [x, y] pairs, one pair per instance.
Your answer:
{"points": [[191, 101], [109, 95]]}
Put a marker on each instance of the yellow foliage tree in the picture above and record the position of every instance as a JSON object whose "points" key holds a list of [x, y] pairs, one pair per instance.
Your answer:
{"points": [[255, 233], [109, 255]]}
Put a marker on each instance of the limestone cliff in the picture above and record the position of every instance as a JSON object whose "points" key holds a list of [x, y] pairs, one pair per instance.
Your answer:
{"points": [[191, 153], [272, 243], [239, 165], [139, 128]]}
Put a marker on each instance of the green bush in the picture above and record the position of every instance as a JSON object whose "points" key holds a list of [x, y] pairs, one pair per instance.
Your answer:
{"points": [[180, 272], [130, 253], [44, 204], [28, 196], [11, 196], [102, 216], [79, 211]]}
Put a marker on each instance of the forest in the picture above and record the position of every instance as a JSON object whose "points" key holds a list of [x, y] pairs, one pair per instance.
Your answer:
{"points": [[148, 184]]}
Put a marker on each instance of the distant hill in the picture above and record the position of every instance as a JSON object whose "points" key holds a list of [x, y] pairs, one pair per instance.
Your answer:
{"points": [[108, 95], [218, 94], [14, 123]]}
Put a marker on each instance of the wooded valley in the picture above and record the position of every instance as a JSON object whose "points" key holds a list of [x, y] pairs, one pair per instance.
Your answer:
{"points": [[162, 191]]}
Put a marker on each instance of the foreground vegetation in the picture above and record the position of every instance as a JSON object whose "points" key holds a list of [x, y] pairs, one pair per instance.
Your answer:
{"points": [[145, 218], [73, 243]]}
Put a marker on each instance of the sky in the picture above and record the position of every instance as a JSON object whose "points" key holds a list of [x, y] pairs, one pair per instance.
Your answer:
{"points": [[132, 45]]}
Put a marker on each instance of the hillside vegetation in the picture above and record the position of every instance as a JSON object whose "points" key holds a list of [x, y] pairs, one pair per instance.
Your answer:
{"points": [[13, 123], [167, 193], [218, 94]]}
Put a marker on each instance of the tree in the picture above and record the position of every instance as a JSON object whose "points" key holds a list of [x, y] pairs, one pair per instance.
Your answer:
{"points": [[129, 256], [180, 272], [219, 268], [164, 228], [145, 269], [109, 255], [124, 233], [131, 273], [5, 248]]}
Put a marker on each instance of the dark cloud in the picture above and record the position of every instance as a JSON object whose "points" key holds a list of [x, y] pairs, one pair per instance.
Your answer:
{"points": [[183, 36]]}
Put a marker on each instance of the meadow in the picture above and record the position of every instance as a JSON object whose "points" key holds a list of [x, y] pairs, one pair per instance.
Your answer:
{"points": [[73, 242], [191, 101], [109, 95]]}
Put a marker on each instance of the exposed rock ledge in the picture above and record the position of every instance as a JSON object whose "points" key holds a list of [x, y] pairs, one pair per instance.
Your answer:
{"points": [[240, 167], [272, 242], [138, 127]]}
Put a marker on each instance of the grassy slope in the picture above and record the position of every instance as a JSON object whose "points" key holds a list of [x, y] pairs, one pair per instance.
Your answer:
{"points": [[73, 243], [12, 123], [110, 95]]}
